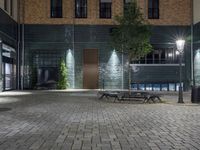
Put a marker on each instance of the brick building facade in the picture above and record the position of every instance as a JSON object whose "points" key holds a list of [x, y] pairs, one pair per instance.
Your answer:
{"points": [[44, 40]]}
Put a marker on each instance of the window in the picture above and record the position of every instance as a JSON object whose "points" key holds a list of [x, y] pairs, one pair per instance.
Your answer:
{"points": [[171, 86], [153, 9], [126, 4], [105, 9], [134, 86], [164, 87], [141, 87], [160, 56], [149, 87], [6, 5], [156, 87], [56, 8], [81, 9]]}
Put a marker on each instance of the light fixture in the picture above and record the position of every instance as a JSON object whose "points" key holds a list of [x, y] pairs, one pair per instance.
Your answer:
{"points": [[177, 52], [180, 48], [170, 54], [180, 45]]}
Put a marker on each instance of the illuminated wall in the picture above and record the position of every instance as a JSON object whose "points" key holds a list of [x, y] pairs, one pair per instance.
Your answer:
{"points": [[70, 67]]}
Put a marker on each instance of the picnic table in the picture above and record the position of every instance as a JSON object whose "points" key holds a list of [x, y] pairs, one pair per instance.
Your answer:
{"points": [[134, 95]]}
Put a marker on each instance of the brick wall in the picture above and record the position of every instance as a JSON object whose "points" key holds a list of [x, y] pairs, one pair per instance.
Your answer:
{"points": [[172, 12]]}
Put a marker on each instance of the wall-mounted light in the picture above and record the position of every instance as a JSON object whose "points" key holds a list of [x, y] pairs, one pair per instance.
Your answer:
{"points": [[180, 45], [170, 54], [177, 52], [70, 66]]}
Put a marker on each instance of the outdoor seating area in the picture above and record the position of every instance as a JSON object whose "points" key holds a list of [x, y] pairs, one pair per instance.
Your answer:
{"points": [[145, 97]]}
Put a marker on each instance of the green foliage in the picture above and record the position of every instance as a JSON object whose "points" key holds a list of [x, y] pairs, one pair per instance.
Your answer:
{"points": [[132, 33], [62, 81]]}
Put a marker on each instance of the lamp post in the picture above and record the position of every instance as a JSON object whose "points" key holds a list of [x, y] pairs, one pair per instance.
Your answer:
{"points": [[180, 47]]}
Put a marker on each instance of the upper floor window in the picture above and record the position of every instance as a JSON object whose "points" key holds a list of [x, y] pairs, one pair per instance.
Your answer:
{"points": [[126, 4], [56, 8], [81, 9], [105, 9], [153, 9]]}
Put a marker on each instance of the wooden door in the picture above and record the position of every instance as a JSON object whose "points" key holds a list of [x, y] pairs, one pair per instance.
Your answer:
{"points": [[90, 69]]}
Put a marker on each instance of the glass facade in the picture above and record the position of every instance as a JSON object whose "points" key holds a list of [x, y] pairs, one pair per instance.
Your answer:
{"points": [[8, 67], [160, 56], [42, 67], [156, 86]]}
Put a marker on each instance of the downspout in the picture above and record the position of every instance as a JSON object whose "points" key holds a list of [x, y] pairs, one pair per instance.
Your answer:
{"points": [[1, 75], [191, 50], [74, 47], [22, 67], [18, 43]]}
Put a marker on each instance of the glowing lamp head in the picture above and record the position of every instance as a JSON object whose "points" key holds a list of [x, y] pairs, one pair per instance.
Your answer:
{"points": [[180, 45]]}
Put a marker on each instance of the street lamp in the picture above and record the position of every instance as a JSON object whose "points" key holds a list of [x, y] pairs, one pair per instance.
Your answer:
{"points": [[180, 47]]}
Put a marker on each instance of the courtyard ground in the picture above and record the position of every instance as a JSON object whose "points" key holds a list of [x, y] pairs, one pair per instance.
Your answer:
{"points": [[57, 120]]}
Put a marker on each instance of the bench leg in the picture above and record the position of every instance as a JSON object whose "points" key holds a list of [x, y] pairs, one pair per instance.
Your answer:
{"points": [[146, 99], [101, 97], [159, 99]]}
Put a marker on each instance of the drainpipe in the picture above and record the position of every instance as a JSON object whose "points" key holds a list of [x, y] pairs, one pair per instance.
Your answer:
{"points": [[73, 46], [1, 77], [192, 52], [22, 61], [18, 44]]}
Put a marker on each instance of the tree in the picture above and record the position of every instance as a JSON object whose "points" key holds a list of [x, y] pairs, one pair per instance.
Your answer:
{"points": [[132, 34], [62, 80]]}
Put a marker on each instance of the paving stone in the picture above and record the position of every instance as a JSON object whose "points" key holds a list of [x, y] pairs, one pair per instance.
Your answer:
{"points": [[57, 120]]}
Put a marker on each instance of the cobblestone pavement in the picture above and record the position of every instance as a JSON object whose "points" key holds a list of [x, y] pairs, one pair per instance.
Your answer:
{"points": [[58, 120]]}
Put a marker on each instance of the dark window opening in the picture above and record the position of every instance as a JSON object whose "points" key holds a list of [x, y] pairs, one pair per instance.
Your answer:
{"points": [[153, 9], [126, 5], [56, 8], [81, 9], [105, 8]]}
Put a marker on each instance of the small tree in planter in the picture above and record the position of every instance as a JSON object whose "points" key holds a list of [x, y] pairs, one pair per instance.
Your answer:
{"points": [[62, 76], [131, 35]]}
